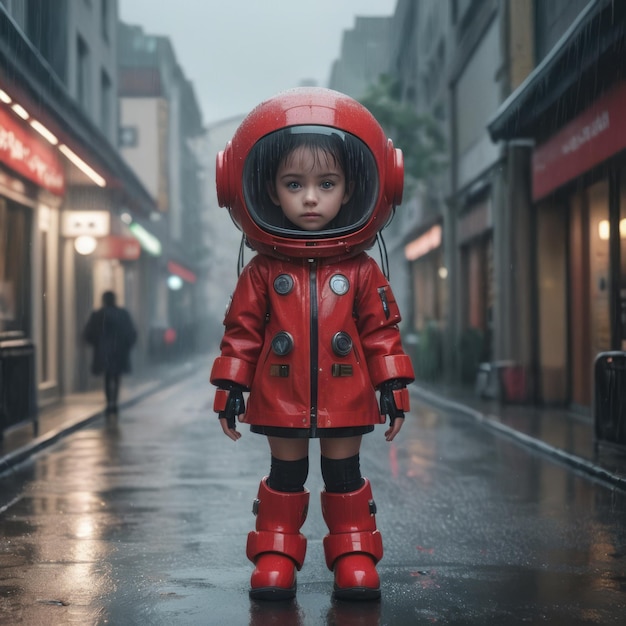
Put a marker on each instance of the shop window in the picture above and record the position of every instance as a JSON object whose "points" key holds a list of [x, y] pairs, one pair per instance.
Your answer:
{"points": [[552, 303], [106, 103], [128, 137], [105, 19], [44, 356], [82, 73], [47, 294], [622, 238], [600, 285], [477, 295], [15, 268]]}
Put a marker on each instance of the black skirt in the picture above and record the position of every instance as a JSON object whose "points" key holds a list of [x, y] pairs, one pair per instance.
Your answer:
{"points": [[311, 433]]}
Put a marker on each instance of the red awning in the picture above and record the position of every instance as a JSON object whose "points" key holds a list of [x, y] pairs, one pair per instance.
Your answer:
{"points": [[186, 274]]}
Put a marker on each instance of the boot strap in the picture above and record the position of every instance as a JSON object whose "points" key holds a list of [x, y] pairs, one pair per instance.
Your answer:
{"points": [[261, 541], [367, 542]]}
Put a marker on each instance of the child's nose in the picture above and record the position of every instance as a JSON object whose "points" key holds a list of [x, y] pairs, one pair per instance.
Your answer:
{"points": [[310, 195]]}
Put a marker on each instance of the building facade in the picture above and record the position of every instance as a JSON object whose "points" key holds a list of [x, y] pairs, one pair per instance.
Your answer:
{"points": [[221, 235], [160, 123], [364, 56], [418, 53], [515, 253], [569, 107], [62, 181], [76, 216]]}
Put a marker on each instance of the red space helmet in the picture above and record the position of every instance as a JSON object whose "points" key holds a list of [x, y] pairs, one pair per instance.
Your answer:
{"points": [[318, 118]]}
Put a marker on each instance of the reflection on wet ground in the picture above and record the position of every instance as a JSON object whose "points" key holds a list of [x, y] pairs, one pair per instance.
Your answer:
{"points": [[143, 520]]}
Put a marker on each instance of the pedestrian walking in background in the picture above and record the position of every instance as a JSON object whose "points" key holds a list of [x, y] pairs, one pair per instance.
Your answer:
{"points": [[312, 329], [111, 333]]}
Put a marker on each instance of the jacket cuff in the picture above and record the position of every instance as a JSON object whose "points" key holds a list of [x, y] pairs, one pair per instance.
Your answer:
{"points": [[230, 369], [391, 367]]}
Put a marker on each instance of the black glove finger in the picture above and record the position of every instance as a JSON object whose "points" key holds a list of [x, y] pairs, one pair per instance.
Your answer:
{"points": [[230, 420]]}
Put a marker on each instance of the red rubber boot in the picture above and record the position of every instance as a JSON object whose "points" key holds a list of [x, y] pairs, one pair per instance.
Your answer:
{"points": [[354, 545], [277, 547]]}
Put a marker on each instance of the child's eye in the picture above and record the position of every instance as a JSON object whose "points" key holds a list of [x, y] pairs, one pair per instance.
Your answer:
{"points": [[293, 185], [327, 184]]}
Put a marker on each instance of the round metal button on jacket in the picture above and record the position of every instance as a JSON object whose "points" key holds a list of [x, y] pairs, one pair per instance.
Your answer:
{"points": [[282, 343], [339, 284], [283, 284], [342, 344]]}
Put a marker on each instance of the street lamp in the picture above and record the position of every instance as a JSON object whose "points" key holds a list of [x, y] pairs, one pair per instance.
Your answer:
{"points": [[85, 244], [174, 282]]}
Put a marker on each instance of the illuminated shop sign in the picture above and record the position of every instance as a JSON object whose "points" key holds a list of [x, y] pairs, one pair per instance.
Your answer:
{"points": [[22, 150], [147, 240], [117, 247], [424, 244], [91, 223], [592, 137]]}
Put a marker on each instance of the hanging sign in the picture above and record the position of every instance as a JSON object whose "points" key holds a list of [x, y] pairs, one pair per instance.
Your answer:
{"points": [[592, 137], [118, 247], [22, 150]]}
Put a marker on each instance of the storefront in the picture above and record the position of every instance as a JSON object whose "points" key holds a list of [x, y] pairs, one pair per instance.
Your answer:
{"points": [[572, 106], [579, 185], [58, 170], [426, 314], [181, 283], [476, 280], [427, 273], [32, 186]]}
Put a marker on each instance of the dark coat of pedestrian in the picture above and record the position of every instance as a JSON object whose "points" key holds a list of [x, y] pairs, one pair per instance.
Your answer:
{"points": [[111, 333]]}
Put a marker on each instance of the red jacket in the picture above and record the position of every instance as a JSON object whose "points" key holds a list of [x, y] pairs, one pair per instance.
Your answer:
{"points": [[281, 342]]}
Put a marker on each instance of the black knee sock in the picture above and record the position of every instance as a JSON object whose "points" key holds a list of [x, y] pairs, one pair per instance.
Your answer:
{"points": [[342, 475], [288, 476]]}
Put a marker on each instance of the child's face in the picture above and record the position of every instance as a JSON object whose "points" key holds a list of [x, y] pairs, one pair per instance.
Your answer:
{"points": [[310, 188]]}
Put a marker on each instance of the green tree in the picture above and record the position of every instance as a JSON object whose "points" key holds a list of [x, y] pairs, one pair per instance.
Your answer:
{"points": [[420, 137]]}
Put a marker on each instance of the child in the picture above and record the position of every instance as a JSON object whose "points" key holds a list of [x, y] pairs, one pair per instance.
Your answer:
{"points": [[311, 331]]}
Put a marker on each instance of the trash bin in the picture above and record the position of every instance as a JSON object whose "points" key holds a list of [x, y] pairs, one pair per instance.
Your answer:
{"points": [[609, 398], [18, 386], [488, 382]]}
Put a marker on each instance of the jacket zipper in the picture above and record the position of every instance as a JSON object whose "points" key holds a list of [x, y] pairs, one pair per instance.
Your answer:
{"points": [[314, 343]]}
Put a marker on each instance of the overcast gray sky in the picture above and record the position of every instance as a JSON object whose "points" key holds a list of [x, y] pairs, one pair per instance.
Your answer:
{"points": [[239, 52]]}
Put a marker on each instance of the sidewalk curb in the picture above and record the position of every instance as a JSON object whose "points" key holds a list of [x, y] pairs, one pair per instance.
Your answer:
{"points": [[15, 458], [492, 423]]}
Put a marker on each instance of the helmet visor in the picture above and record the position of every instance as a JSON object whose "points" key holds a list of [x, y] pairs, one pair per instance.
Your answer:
{"points": [[310, 182]]}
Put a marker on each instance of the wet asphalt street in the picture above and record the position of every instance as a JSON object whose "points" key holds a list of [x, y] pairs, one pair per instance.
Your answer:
{"points": [[143, 520]]}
